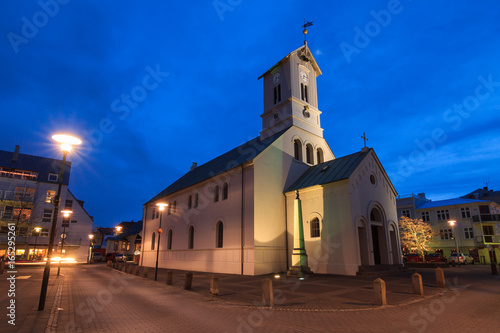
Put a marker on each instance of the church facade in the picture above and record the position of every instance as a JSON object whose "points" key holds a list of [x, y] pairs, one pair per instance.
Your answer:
{"points": [[234, 214]]}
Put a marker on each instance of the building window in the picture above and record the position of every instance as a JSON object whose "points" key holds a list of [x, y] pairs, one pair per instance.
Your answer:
{"points": [[44, 232], [153, 236], [68, 204], [22, 214], [224, 191], [169, 240], [315, 231], [125, 246], [297, 148], [446, 234], [153, 213], [319, 156], [277, 94], [196, 200], [74, 221], [425, 216], [469, 233], [465, 212], [115, 248], [443, 215], [216, 193], [303, 92], [53, 177], [47, 215], [24, 194], [65, 223], [50, 196], [219, 237], [174, 207], [8, 212], [191, 237], [169, 208], [190, 201], [484, 209], [406, 212], [309, 154]]}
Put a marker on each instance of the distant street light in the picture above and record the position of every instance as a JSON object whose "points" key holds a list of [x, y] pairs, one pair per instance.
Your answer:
{"points": [[161, 207], [37, 229], [91, 247], [67, 142], [452, 223], [118, 229], [66, 213]]}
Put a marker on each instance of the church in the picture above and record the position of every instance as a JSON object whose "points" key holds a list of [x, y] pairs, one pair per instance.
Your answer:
{"points": [[235, 214]]}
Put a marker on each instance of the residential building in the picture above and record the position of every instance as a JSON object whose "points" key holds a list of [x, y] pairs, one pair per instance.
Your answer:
{"points": [[484, 194], [127, 241], [28, 185], [477, 226], [236, 213]]}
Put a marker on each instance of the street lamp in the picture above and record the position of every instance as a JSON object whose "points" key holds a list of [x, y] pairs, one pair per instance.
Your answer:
{"points": [[37, 229], [118, 229], [66, 141], [161, 207], [66, 214], [452, 223], [91, 247]]}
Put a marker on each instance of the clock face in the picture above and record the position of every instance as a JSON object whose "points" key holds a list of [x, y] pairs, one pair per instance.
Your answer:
{"points": [[276, 78], [303, 76]]}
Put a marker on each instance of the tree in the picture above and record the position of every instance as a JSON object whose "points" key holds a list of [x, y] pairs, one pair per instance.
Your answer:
{"points": [[416, 234]]}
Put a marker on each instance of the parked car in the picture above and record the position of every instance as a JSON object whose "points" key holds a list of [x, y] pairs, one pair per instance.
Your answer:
{"points": [[435, 257], [413, 257], [110, 256], [97, 256], [461, 258], [120, 257]]}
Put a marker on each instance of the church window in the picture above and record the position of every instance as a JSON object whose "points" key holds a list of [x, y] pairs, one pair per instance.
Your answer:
{"points": [[277, 94], [309, 154], [191, 237], [154, 214], [195, 200], [319, 155], [153, 236], [169, 209], [315, 231], [297, 147], [219, 239], [224, 191], [190, 201], [174, 207], [303, 93], [216, 193], [169, 240]]}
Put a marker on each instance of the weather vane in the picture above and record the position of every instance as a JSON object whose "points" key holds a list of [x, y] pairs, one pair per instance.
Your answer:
{"points": [[306, 24]]}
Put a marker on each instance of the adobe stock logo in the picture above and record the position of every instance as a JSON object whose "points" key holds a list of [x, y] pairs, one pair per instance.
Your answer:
{"points": [[30, 28]]}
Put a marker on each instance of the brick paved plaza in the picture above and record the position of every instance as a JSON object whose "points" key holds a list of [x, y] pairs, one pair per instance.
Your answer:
{"points": [[95, 298]]}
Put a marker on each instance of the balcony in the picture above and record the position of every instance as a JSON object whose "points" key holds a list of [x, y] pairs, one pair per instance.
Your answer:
{"points": [[486, 218], [489, 239]]}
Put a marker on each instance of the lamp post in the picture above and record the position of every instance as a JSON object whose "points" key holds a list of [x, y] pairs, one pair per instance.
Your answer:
{"points": [[452, 223], [91, 247], [37, 229], [161, 207], [66, 142], [66, 214]]}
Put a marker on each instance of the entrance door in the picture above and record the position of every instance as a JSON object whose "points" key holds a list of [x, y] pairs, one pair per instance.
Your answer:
{"points": [[376, 245]]}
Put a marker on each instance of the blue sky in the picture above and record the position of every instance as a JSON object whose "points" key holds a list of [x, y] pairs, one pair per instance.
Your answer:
{"points": [[153, 86]]}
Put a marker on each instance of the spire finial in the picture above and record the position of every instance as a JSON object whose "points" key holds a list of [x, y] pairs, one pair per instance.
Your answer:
{"points": [[306, 24]]}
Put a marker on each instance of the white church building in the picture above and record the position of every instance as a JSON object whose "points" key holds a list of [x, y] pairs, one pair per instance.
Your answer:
{"points": [[234, 214]]}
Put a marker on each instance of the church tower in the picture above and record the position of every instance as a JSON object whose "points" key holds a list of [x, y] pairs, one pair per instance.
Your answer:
{"points": [[290, 94]]}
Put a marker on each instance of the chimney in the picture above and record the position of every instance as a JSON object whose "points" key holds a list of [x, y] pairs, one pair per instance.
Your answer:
{"points": [[194, 166], [16, 154], [422, 196]]}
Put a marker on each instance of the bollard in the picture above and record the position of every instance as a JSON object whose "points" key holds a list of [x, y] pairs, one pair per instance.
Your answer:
{"points": [[418, 287], [188, 281], [380, 292], [2, 266], [441, 283], [494, 270], [109, 263], [169, 277], [267, 292], [145, 271], [214, 286]]}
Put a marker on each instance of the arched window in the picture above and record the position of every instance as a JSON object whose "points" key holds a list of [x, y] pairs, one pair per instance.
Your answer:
{"points": [[195, 200], [315, 229], [219, 238], [224, 191], [169, 240], [309, 154], [216, 193], [191, 237], [319, 156], [153, 236], [190, 201], [297, 148], [169, 208], [174, 207]]}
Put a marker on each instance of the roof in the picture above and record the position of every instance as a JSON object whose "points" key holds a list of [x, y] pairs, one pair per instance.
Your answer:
{"points": [[329, 172], [448, 202], [309, 57], [129, 229], [42, 165], [233, 158]]}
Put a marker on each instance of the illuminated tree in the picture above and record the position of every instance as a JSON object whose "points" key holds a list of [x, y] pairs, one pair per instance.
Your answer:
{"points": [[416, 234]]}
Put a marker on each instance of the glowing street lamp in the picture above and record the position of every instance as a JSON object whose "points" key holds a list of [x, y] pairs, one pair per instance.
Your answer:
{"points": [[91, 247], [452, 223], [118, 229], [161, 207], [37, 230], [67, 142]]}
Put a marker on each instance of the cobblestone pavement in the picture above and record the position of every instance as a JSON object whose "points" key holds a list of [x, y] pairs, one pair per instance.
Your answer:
{"points": [[95, 298]]}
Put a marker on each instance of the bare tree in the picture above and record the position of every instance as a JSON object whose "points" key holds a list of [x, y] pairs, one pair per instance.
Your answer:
{"points": [[416, 233]]}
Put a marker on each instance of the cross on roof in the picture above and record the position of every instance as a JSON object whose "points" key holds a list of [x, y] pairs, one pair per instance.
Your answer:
{"points": [[364, 138]]}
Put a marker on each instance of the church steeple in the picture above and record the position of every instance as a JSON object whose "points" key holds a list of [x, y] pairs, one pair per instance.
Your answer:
{"points": [[290, 93]]}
